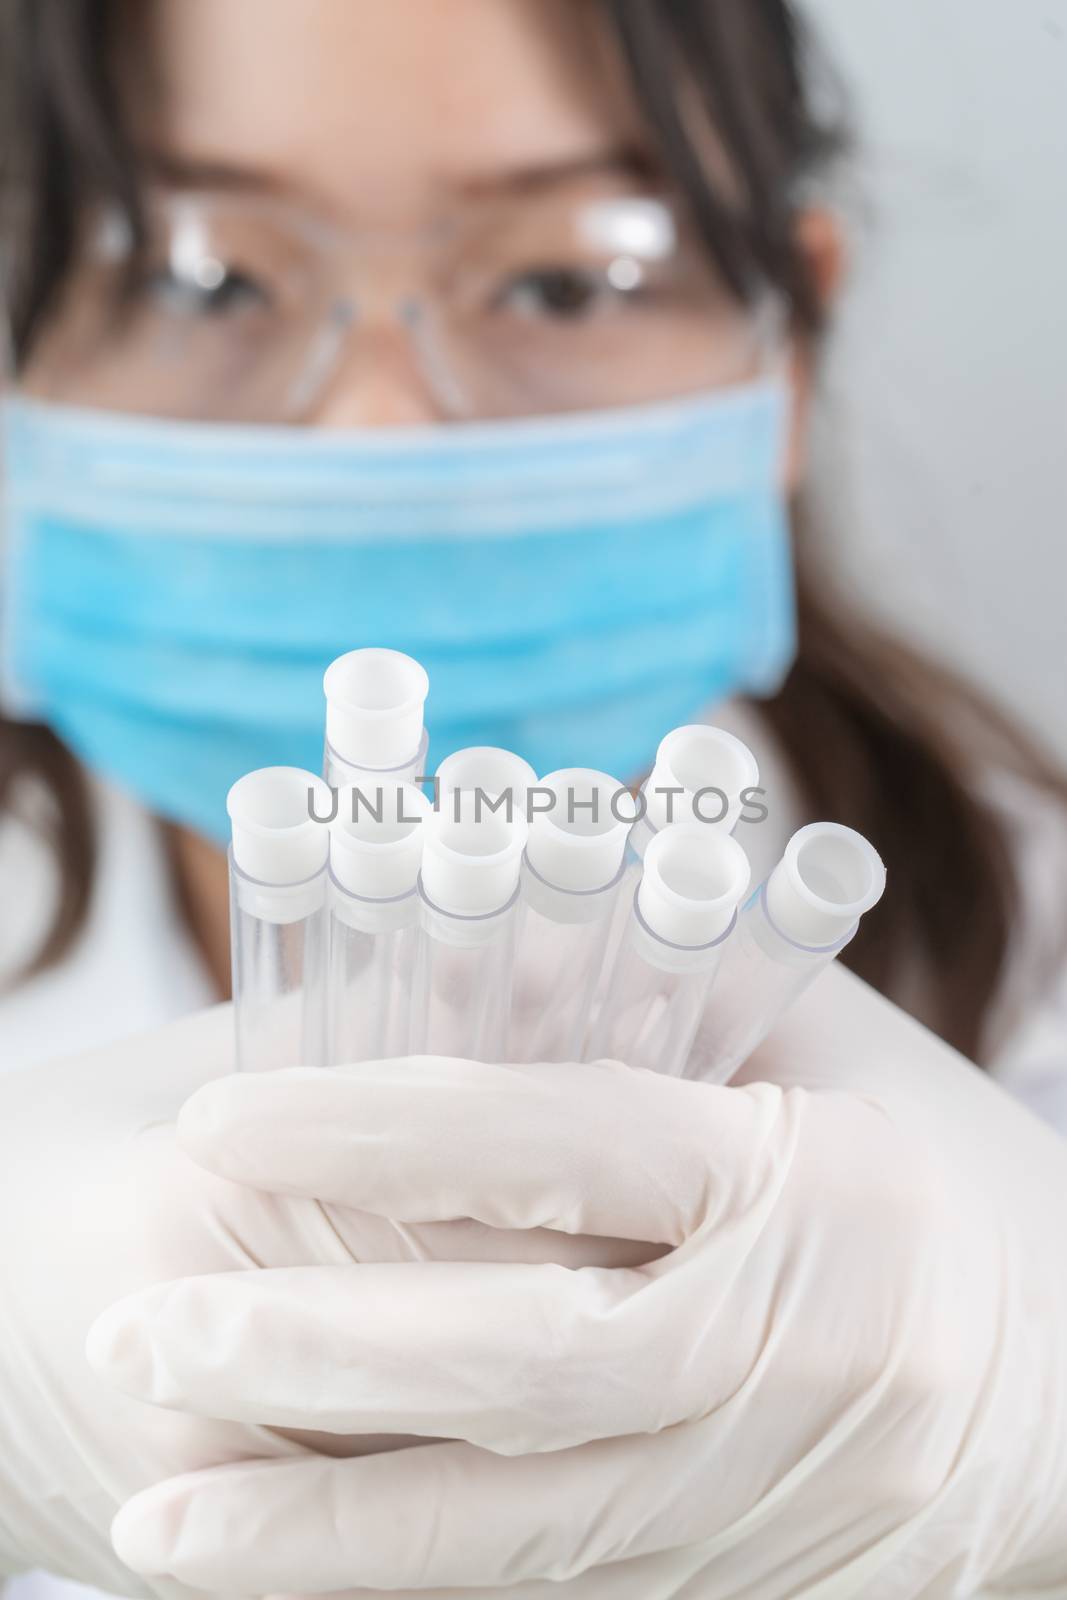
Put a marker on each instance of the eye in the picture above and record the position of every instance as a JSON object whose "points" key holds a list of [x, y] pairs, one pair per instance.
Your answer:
{"points": [[211, 290], [569, 293]]}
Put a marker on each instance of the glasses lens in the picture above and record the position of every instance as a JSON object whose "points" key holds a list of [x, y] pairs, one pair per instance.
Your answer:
{"points": [[211, 318], [605, 303]]}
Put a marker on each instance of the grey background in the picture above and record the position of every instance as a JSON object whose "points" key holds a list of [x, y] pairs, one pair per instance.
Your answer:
{"points": [[945, 405]]}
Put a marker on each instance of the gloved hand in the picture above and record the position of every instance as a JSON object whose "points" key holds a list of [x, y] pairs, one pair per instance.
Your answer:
{"points": [[96, 1199], [848, 1377]]}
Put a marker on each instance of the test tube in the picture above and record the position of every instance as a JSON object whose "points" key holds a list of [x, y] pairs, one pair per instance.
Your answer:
{"points": [[681, 919], [571, 876], [500, 777], [374, 718], [799, 921], [278, 856], [469, 894], [375, 853], [702, 774]]}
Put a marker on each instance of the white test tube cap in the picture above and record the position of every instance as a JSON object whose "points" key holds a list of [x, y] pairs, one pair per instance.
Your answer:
{"points": [[492, 770], [276, 837], [376, 839], [827, 879], [470, 866], [579, 844], [374, 708], [694, 879], [699, 760]]}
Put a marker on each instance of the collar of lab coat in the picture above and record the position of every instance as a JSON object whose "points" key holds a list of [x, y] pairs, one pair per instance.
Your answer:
{"points": [[134, 965]]}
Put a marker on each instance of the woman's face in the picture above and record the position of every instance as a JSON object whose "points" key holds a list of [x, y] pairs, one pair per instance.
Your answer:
{"points": [[379, 117], [375, 119], [378, 125]]}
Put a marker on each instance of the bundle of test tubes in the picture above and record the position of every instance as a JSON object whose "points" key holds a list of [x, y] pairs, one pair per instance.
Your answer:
{"points": [[517, 919]]}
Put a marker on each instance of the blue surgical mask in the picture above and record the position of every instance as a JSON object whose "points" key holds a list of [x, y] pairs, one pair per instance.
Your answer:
{"points": [[575, 587]]}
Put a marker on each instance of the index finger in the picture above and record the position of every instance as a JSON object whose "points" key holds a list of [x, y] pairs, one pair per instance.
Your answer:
{"points": [[594, 1148]]}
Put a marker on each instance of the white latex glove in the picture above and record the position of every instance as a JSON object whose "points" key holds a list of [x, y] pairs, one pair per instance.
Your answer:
{"points": [[96, 1199], [847, 1378]]}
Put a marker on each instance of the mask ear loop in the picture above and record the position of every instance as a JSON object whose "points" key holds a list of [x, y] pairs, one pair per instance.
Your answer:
{"points": [[771, 324]]}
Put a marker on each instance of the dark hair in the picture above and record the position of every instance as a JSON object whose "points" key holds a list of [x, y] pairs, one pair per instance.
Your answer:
{"points": [[887, 730]]}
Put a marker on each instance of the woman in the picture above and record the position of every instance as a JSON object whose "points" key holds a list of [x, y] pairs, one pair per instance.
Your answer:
{"points": [[358, 218], [704, 103]]}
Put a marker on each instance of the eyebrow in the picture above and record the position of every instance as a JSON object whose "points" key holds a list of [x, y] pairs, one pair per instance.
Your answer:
{"points": [[627, 161], [198, 172]]}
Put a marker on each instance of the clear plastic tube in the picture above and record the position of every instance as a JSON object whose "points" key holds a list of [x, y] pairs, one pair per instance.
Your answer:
{"points": [[278, 930], [469, 919], [374, 719], [702, 774], [572, 873], [653, 1007], [798, 922], [561, 959], [341, 774], [375, 852], [622, 911], [371, 969], [462, 982], [682, 916]]}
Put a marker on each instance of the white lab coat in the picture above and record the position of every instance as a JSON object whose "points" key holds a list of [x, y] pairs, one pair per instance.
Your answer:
{"points": [[135, 968]]}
